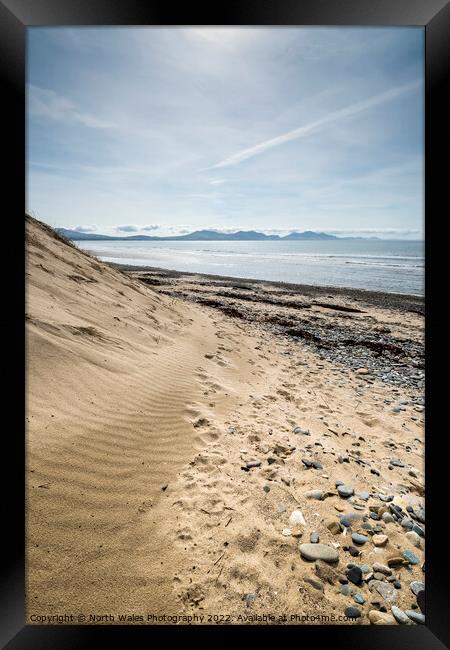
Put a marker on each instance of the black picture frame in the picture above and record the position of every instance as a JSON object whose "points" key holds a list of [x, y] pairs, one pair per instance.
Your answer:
{"points": [[15, 17]]}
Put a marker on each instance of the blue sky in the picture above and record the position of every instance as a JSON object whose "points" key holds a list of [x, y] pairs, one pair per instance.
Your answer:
{"points": [[167, 130]]}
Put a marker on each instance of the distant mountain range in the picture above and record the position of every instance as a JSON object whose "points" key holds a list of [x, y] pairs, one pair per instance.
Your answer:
{"points": [[199, 235]]}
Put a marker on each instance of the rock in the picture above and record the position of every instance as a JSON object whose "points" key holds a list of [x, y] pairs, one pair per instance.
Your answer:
{"points": [[387, 518], [343, 580], [375, 516], [314, 583], [417, 529], [266, 488], [397, 584], [365, 568], [287, 532], [386, 590], [253, 463], [397, 463], [314, 494], [333, 526], [354, 574], [395, 560], [362, 371], [416, 586], [352, 612], [407, 523], [359, 598], [314, 538], [249, 599], [302, 431], [381, 568], [345, 590], [363, 495], [379, 618], [379, 540], [345, 491], [410, 557], [354, 552], [359, 539], [338, 483], [318, 552], [297, 518], [417, 617], [414, 538], [400, 616]]}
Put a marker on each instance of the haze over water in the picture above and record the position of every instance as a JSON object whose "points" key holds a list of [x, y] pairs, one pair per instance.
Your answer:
{"points": [[385, 265]]}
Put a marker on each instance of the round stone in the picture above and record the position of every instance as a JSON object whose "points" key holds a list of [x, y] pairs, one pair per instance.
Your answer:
{"points": [[297, 518], [413, 538], [319, 552], [345, 491], [359, 539], [400, 616], [417, 617], [410, 557], [314, 494], [381, 568], [354, 574], [352, 612], [416, 586], [379, 540], [379, 618], [314, 538], [359, 598], [387, 518]]}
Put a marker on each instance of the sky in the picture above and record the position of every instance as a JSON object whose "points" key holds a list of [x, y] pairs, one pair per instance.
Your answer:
{"points": [[164, 131]]}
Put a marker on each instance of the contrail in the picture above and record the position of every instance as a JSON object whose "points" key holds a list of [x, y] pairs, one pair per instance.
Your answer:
{"points": [[305, 130]]}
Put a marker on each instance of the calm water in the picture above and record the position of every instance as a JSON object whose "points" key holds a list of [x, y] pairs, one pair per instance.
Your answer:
{"points": [[393, 266]]}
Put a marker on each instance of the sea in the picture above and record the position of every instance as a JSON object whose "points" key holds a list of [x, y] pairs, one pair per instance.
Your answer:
{"points": [[384, 265]]}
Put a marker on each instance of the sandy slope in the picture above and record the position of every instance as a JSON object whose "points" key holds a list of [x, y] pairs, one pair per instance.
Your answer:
{"points": [[130, 392]]}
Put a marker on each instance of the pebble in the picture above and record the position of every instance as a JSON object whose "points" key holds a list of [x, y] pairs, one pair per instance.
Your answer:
{"points": [[300, 430], [417, 529], [380, 618], [354, 574], [253, 463], [375, 516], [266, 488], [410, 557], [387, 518], [345, 590], [359, 539], [345, 491], [397, 584], [416, 586], [354, 552], [407, 523], [314, 538], [400, 616], [379, 540], [314, 494], [319, 552], [395, 560], [386, 590], [365, 568], [297, 518], [352, 612], [359, 598], [343, 580], [417, 617], [382, 568], [249, 599], [363, 495]]}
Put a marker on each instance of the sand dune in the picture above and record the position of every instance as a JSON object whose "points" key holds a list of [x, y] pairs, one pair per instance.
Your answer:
{"points": [[143, 411]]}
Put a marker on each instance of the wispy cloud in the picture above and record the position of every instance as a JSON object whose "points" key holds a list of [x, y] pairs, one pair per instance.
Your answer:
{"points": [[307, 129], [48, 104]]}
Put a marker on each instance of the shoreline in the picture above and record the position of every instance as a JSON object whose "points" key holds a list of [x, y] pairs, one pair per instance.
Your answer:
{"points": [[402, 301]]}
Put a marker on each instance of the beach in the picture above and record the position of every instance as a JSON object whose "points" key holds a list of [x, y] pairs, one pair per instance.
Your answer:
{"points": [[206, 449]]}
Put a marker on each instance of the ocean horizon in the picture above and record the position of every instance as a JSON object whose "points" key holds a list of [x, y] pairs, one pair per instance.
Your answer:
{"points": [[394, 266]]}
